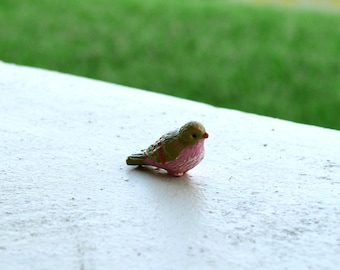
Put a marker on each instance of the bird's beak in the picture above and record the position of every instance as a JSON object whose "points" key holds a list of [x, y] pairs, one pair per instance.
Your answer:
{"points": [[205, 135]]}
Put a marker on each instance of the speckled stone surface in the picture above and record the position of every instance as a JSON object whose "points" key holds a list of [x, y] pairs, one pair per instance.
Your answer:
{"points": [[266, 196]]}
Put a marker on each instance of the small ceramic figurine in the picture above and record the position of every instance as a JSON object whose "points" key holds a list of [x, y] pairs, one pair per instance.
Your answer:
{"points": [[177, 151]]}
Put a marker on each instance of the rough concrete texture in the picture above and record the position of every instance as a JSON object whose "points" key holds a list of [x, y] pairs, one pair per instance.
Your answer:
{"points": [[266, 196]]}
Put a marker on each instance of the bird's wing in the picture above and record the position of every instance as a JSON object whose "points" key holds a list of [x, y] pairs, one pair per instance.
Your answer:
{"points": [[160, 151]]}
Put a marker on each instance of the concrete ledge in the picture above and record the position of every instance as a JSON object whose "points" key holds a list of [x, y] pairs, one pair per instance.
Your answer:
{"points": [[266, 196]]}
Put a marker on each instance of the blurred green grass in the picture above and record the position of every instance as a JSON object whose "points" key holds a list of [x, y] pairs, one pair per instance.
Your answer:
{"points": [[280, 62]]}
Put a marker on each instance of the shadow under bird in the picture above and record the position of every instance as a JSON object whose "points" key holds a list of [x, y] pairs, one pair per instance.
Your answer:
{"points": [[177, 152]]}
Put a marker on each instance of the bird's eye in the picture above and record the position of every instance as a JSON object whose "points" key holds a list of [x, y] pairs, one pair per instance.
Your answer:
{"points": [[194, 135]]}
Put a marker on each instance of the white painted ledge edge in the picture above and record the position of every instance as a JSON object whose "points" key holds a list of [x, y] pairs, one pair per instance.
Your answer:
{"points": [[266, 196]]}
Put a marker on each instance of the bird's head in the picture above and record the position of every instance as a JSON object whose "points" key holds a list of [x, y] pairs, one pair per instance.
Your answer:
{"points": [[192, 132]]}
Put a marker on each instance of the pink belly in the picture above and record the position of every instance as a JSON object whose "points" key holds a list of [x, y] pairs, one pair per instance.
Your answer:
{"points": [[188, 159]]}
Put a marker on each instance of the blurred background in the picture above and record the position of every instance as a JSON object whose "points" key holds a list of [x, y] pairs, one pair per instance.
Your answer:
{"points": [[274, 58]]}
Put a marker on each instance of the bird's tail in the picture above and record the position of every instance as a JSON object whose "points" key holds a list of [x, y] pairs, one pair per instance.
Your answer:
{"points": [[135, 159]]}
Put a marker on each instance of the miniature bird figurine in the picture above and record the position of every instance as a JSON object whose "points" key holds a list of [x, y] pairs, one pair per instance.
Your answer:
{"points": [[176, 152]]}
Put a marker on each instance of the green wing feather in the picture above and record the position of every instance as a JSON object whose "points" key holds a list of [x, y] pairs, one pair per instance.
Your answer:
{"points": [[170, 146]]}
